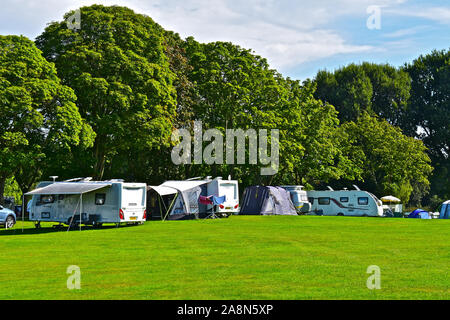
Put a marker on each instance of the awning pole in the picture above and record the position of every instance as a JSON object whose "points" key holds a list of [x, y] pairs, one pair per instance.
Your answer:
{"points": [[170, 207], [81, 207], [23, 212], [165, 208], [73, 216]]}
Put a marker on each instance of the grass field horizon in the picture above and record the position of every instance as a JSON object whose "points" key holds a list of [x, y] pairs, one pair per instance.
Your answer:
{"points": [[242, 257]]}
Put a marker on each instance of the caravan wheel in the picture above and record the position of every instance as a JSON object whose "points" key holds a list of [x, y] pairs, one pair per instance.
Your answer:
{"points": [[340, 214], [97, 225]]}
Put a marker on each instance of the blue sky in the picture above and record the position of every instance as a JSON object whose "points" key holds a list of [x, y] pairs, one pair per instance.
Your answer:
{"points": [[297, 37]]}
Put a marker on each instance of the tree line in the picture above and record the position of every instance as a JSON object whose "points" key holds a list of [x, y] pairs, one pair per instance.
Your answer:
{"points": [[103, 101]]}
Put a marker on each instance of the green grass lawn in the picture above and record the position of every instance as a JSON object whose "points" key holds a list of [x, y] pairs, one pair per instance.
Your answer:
{"points": [[284, 257]]}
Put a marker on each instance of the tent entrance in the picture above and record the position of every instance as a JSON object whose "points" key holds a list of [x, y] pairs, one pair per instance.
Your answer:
{"points": [[184, 204]]}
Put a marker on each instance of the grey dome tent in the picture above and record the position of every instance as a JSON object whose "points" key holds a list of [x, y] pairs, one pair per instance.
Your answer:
{"points": [[261, 200]]}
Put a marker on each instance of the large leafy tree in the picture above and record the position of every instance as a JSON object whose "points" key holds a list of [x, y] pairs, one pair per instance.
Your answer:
{"points": [[313, 146], [429, 112], [234, 89], [379, 89], [391, 162], [39, 119], [157, 165], [117, 66]]}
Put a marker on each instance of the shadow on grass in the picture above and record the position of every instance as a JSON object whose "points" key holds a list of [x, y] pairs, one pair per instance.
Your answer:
{"points": [[17, 229]]}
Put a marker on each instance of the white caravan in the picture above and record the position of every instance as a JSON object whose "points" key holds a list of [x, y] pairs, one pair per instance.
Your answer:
{"points": [[299, 198], [179, 199], [228, 188], [219, 188], [344, 203], [97, 202]]}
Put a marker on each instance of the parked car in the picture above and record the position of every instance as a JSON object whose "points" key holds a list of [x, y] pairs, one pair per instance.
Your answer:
{"points": [[7, 217]]}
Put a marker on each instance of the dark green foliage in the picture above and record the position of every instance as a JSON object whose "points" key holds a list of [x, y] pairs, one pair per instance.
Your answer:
{"points": [[134, 82], [378, 89], [39, 122], [117, 67], [428, 116]]}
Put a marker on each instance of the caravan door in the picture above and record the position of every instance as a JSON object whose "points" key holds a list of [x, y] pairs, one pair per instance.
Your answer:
{"points": [[45, 207], [229, 189]]}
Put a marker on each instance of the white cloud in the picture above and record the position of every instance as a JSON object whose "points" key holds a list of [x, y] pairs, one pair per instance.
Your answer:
{"points": [[438, 14], [401, 33], [286, 32]]}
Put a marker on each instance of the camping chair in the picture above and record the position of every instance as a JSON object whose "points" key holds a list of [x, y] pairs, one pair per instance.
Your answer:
{"points": [[212, 215]]}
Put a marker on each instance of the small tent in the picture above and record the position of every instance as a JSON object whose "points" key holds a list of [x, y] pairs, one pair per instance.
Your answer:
{"points": [[445, 210], [185, 203], [261, 200], [419, 214]]}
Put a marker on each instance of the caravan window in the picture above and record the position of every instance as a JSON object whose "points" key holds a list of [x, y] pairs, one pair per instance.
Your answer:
{"points": [[344, 199], [100, 199], [324, 201], [363, 201], [47, 199], [133, 196], [229, 190], [311, 200]]}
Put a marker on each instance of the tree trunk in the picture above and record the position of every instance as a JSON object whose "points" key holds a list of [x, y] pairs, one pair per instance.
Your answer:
{"points": [[26, 181], [2, 189], [100, 168], [100, 159]]}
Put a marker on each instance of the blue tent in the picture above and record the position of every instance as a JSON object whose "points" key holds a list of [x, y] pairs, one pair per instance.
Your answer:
{"points": [[445, 210], [419, 214]]}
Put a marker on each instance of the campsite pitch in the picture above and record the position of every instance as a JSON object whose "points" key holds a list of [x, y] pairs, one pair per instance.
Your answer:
{"points": [[242, 257]]}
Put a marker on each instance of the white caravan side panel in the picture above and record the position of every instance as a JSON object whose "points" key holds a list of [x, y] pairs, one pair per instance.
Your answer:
{"points": [[345, 203], [102, 205]]}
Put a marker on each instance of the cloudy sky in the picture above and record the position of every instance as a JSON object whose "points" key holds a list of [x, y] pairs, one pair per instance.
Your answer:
{"points": [[298, 37]]}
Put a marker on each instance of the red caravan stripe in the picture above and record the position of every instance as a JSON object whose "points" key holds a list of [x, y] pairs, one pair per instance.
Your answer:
{"points": [[340, 205]]}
